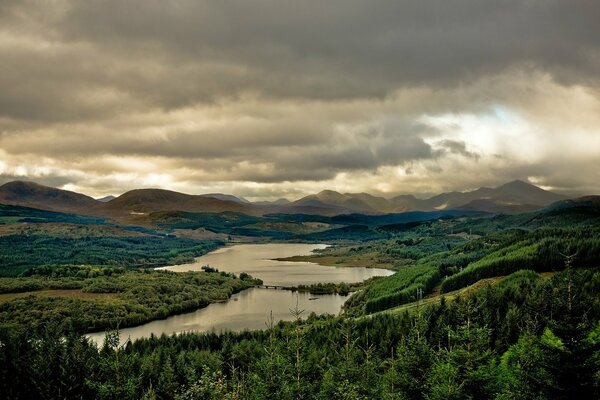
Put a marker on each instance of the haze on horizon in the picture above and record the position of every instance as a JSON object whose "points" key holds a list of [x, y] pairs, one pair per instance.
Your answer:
{"points": [[274, 98]]}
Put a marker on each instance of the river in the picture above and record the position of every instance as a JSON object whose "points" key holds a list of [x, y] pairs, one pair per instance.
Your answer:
{"points": [[251, 308]]}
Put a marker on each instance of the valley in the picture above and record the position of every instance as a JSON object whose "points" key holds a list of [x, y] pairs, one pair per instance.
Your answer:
{"points": [[252, 308], [182, 297], [285, 200]]}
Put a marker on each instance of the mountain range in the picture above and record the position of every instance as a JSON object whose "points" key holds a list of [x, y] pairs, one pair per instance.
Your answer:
{"points": [[512, 197]]}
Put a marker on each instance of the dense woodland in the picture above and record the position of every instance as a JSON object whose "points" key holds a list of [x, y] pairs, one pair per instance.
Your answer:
{"points": [[492, 307], [97, 298], [21, 252], [527, 337]]}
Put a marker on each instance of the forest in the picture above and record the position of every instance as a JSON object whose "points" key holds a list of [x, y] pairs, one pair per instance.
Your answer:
{"points": [[528, 337], [21, 252], [85, 299], [481, 307]]}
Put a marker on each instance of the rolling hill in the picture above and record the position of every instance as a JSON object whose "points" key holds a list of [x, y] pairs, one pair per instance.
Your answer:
{"points": [[152, 200], [511, 198], [30, 194]]}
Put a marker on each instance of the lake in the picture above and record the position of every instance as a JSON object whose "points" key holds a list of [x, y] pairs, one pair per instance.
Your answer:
{"points": [[258, 261], [251, 308]]}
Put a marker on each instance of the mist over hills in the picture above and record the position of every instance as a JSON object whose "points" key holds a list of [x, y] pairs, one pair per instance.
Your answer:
{"points": [[512, 197]]}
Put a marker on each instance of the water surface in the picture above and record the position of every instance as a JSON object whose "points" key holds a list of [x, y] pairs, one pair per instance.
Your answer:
{"points": [[248, 310], [258, 261], [251, 308]]}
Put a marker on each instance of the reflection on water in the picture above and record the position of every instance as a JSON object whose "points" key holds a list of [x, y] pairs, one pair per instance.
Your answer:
{"points": [[257, 260], [251, 308]]}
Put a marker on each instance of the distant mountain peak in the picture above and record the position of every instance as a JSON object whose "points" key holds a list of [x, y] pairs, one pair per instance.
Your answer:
{"points": [[328, 193], [512, 196], [228, 197], [106, 199], [519, 184]]}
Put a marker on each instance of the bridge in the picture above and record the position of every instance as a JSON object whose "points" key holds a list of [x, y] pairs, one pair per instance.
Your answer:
{"points": [[276, 287]]}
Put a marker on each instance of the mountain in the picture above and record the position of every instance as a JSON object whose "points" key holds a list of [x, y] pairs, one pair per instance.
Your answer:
{"points": [[152, 200], [278, 202], [31, 194], [487, 205], [359, 202], [510, 198], [226, 197], [106, 199], [514, 193], [343, 203], [404, 203]]}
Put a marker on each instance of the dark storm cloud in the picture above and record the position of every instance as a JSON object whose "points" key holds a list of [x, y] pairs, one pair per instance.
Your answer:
{"points": [[175, 53], [396, 40]]}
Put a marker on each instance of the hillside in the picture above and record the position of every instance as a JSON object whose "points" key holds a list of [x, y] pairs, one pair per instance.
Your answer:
{"points": [[511, 198], [31, 194], [516, 193], [152, 200]]}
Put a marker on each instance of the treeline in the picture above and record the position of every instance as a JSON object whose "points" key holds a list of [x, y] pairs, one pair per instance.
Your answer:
{"points": [[542, 250], [414, 291], [106, 298], [342, 289], [418, 279], [402, 287], [525, 338], [18, 214], [56, 277], [21, 252], [462, 264]]}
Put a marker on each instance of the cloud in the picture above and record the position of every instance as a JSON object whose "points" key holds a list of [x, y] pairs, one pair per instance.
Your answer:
{"points": [[276, 98], [456, 147]]}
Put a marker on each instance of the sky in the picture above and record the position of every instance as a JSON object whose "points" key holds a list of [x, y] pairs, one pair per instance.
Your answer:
{"points": [[281, 98]]}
